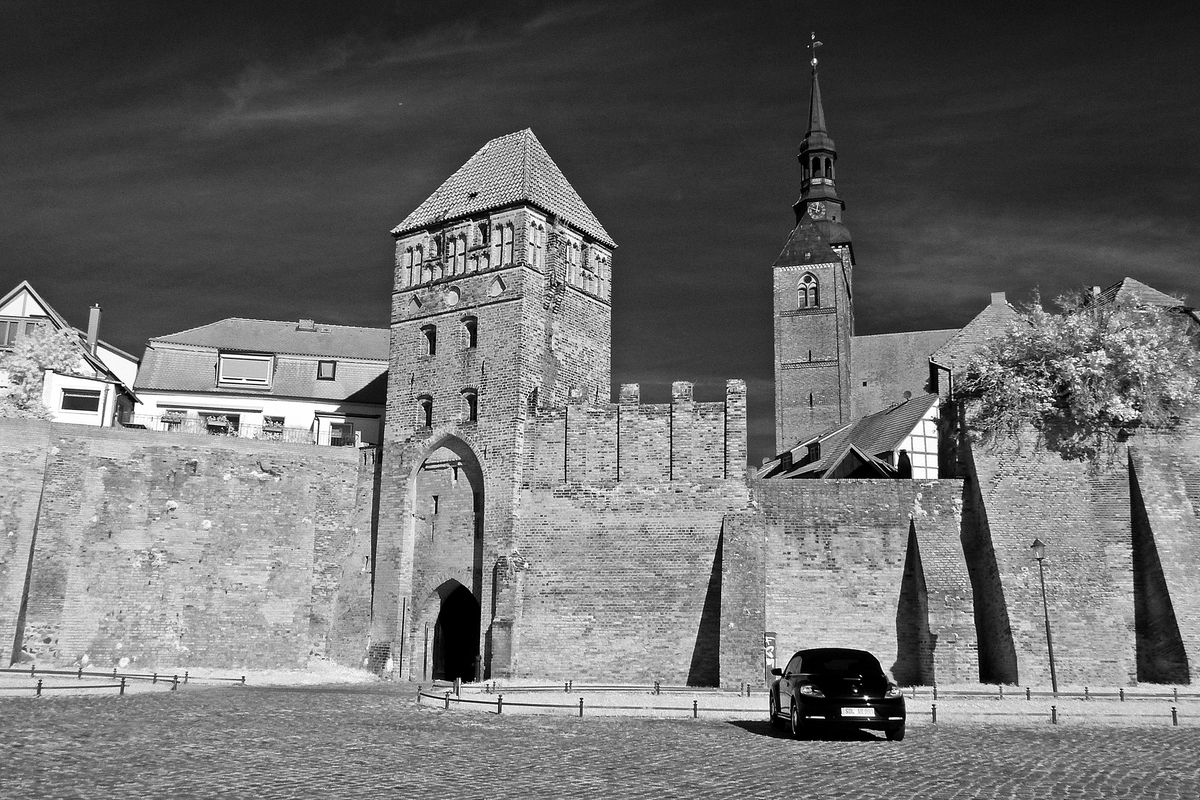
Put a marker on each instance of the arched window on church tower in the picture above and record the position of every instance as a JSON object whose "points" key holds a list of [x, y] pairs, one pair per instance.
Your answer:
{"points": [[506, 255], [808, 294], [460, 264], [829, 168], [816, 167]]}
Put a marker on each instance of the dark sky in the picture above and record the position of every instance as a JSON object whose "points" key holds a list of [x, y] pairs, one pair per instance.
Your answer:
{"points": [[183, 162]]}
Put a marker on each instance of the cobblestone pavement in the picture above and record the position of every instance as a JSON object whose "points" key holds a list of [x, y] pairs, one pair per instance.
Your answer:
{"points": [[372, 741]]}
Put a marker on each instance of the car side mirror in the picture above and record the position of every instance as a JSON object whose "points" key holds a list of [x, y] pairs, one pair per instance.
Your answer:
{"points": [[776, 671]]}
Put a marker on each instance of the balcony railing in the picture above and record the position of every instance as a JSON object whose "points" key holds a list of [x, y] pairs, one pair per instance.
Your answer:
{"points": [[211, 426]]}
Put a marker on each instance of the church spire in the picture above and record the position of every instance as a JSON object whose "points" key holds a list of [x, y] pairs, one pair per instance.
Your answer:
{"points": [[818, 193]]}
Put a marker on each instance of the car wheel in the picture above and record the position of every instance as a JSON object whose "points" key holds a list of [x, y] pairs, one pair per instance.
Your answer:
{"points": [[797, 724], [776, 717], [896, 734]]}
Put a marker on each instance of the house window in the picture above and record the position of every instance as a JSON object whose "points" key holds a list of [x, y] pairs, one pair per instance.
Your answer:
{"points": [[341, 434], [808, 294], [430, 333], [8, 332], [425, 403], [470, 332], [470, 405], [326, 370], [245, 370], [80, 400]]}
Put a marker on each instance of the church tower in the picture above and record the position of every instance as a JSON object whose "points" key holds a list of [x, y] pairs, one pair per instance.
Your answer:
{"points": [[813, 299]]}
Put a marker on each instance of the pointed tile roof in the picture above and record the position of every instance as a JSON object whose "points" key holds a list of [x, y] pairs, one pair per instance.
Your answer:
{"points": [[275, 336], [506, 171], [1129, 290], [807, 245]]}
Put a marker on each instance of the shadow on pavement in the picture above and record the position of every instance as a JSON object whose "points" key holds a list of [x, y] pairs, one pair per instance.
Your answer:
{"points": [[765, 728]]}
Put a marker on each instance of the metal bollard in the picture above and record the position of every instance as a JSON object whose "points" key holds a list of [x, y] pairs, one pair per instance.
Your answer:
{"points": [[1028, 694], [1122, 694], [935, 691], [1174, 694], [657, 689], [185, 676], [447, 701], [933, 713], [1174, 716], [174, 682], [499, 704], [122, 685], [566, 687], [1053, 715], [570, 685], [39, 689], [243, 680], [79, 675], [747, 690], [695, 709], [155, 678], [1086, 696], [32, 668], [114, 673], [458, 687], [1001, 691], [581, 708]]}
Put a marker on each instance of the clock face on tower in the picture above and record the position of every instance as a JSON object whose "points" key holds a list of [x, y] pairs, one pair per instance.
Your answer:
{"points": [[816, 210]]}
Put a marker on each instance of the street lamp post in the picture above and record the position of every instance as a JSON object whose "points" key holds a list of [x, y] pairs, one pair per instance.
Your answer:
{"points": [[1039, 552]]}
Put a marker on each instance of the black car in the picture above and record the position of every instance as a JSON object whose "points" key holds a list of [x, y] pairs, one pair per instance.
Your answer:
{"points": [[834, 687]]}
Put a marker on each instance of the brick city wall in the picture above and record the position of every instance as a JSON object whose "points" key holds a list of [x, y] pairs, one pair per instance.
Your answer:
{"points": [[835, 573], [1084, 520], [622, 581], [156, 550]]}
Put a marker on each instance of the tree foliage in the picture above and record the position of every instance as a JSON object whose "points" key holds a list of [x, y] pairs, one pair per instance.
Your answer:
{"points": [[1083, 376], [25, 367]]}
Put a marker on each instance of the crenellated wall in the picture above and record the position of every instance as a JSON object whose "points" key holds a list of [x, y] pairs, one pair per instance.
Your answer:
{"points": [[629, 441]]}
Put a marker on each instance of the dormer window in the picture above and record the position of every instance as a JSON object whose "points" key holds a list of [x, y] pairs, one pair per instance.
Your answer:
{"points": [[245, 370], [326, 370]]}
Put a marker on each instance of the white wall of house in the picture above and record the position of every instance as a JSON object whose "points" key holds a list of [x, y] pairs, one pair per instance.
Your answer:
{"points": [[252, 413], [87, 401], [122, 365], [922, 446]]}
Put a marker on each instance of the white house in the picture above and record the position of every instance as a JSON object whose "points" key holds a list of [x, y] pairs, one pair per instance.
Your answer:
{"points": [[295, 381], [97, 391]]}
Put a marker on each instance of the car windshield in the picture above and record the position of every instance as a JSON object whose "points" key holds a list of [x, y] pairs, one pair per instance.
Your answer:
{"points": [[840, 664]]}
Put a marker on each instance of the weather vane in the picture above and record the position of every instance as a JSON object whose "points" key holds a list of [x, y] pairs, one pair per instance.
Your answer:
{"points": [[815, 44]]}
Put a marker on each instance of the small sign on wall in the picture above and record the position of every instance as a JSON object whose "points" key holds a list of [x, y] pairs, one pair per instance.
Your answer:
{"points": [[768, 656]]}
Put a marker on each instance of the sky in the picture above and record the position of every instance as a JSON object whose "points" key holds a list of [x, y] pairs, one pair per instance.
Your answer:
{"points": [[183, 162]]}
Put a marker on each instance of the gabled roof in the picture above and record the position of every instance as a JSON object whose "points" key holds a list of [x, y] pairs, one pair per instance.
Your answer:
{"points": [[806, 245], [275, 336], [1128, 290], [507, 171], [24, 286], [865, 438], [974, 336]]}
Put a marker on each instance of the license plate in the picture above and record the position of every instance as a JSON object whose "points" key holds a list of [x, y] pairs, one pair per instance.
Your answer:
{"points": [[858, 712]]}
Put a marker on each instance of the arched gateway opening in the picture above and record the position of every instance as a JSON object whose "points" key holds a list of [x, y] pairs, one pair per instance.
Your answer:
{"points": [[447, 538], [456, 636]]}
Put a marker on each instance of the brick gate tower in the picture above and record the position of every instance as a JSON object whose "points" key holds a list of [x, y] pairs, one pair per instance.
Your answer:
{"points": [[500, 304], [813, 300]]}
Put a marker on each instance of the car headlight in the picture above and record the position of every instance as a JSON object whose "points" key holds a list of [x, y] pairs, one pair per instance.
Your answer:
{"points": [[809, 690], [893, 691]]}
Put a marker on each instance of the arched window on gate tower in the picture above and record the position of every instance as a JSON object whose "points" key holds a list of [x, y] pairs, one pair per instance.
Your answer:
{"points": [[808, 293]]}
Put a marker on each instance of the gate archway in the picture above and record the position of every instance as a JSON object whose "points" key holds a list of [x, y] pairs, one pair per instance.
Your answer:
{"points": [[456, 635]]}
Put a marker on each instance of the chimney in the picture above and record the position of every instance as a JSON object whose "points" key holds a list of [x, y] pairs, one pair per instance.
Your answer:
{"points": [[307, 325], [93, 332], [998, 299]]}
